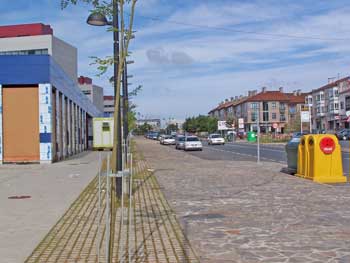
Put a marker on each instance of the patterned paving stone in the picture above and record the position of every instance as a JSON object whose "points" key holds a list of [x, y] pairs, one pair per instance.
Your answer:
{"points": [[238, 211], [148, 232]]}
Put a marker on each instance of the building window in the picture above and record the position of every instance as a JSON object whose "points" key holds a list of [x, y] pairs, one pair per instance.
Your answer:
{"points": [[322, 96], [282, 106], [336, 93], [342, 105], [254, 116], [273, 116], [26, 52], [266, 116], [273, 104], [265, 106], [105, 127], [347, 103], [87, 92], [282, 117], [254, 105], [336, 106]]}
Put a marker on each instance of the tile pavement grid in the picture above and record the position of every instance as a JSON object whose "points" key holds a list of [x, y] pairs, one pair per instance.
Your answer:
{"points": [[154, 234], [238, 211]]}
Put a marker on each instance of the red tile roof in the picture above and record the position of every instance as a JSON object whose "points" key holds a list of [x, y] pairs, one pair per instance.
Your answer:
{"points": [[228, 104], [108, 97], [269, 96], [332, 84], [297, 99]]}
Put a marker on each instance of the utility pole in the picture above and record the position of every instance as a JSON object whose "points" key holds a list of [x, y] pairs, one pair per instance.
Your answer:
{"points": [[118, 143], [125, 104]]}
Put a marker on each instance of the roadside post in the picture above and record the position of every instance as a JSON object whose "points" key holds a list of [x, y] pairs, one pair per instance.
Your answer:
{"points": [[258, 132], [348, 120]]}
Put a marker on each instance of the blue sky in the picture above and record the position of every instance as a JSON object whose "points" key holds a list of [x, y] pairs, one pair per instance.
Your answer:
{"points": [[190, 55]]}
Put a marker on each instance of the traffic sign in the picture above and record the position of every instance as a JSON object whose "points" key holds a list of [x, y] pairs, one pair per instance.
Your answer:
{"points": [[305, 116], [347, 113], [241, 123]]}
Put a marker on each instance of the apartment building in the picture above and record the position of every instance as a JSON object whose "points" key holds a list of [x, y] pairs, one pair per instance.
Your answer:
{"points": [[329, 105], [108, 106], [92, 91], [276, 109]]}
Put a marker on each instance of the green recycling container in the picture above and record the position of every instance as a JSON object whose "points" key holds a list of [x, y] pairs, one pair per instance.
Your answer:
{"points": [[251, 136]]}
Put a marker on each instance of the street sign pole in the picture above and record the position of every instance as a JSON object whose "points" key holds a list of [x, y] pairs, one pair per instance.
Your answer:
{"points": [[310, 122], [258, 134]]}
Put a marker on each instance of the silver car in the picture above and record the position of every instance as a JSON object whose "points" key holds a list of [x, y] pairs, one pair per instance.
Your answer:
{"points": [[215, 139], [167, 140], [180, 142], [193, 143]]}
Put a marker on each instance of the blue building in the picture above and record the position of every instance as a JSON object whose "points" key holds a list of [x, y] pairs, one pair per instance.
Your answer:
{"points": [[44, 116]]}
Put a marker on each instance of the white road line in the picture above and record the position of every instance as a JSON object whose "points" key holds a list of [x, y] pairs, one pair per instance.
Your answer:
{"points": [[263, 148], [244, 154]]}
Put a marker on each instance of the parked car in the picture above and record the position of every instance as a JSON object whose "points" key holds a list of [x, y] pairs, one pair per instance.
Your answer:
{"points": [[180, 142], [215, 139], [241, 134], [193, 143], [167, 140], [154, 135], [343, 134]]}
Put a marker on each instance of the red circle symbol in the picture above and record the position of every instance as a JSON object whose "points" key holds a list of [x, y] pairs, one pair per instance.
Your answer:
{"points": [[327, 145]]}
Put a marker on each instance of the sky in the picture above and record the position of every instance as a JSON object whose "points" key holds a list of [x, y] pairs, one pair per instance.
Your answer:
{"points": [[190, 54]]}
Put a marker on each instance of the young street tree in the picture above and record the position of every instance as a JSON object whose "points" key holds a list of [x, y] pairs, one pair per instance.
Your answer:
{"points": [[103, 64]]}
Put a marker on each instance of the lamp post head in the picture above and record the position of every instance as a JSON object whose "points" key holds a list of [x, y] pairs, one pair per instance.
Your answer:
{"points": [[97, 19]]}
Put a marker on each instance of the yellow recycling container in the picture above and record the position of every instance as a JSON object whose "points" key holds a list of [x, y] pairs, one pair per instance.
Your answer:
{"points": [[303, 157], [324, 159]]}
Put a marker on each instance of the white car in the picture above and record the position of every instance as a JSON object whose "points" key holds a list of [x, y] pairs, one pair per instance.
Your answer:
{"points": [[215, 139], [167, 140], [192, 143]]}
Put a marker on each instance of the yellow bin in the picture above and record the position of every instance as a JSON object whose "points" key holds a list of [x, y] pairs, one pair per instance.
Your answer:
{"points": [[303, 157], [324, 159]]}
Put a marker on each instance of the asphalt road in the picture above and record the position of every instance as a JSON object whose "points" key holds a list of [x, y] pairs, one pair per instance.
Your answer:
{"points": [[248, 152]]}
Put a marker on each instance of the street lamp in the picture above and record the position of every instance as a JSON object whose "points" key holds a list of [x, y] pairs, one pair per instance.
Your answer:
{"points": [[99, 19]]}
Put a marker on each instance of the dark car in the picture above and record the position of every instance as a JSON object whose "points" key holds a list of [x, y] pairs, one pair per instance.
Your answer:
{"points": [[343, 134]]}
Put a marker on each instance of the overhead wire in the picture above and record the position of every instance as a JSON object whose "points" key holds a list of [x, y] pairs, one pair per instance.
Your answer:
{"points": [[243, 31]]}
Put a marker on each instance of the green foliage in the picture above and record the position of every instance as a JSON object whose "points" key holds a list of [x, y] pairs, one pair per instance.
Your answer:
{"points": [[135, 91], [200, 123], [142, 129], [132, 120]]}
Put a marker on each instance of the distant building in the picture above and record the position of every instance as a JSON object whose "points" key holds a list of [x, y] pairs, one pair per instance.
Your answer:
{"points": [[155, 123], [108, 106], [329, 105], [92, 91], [277, 109]]}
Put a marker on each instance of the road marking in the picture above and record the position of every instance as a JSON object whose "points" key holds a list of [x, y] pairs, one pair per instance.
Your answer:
{"points": [[243, 154], [262, 147]]}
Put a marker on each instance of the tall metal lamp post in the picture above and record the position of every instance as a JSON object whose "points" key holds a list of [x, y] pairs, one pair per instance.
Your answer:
{"points": [[98, 19]]}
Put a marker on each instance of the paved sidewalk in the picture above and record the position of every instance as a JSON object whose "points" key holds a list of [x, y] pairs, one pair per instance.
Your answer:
{"points": [[52, 188], [148, 232], [238, 211]]}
